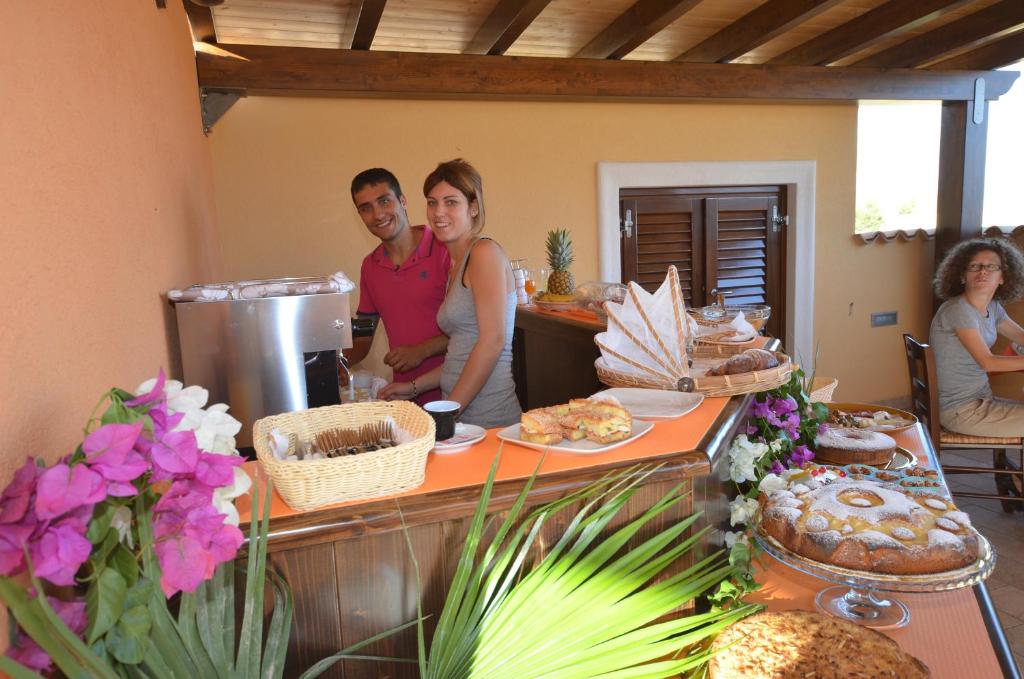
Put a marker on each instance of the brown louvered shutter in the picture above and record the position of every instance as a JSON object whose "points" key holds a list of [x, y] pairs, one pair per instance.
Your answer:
{"points": [[665, 230], [724, 238], [742, 257]]}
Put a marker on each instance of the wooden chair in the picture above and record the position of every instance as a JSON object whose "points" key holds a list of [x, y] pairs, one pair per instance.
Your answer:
{"points": [[925, 396]]}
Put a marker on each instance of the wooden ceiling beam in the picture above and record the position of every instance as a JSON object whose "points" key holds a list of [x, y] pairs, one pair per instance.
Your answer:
{"points": [[755, 29], [892, 18], [370, 12], [504, 25], [1008, 50], [634, 27], [201, 20], [296, 71], [987, 24]]}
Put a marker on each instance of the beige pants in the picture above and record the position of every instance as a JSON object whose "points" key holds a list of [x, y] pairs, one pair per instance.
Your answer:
{"points": [[988, 417]]}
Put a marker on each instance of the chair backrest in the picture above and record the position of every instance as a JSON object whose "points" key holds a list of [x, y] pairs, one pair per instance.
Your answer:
{"points": [[924, 391]]}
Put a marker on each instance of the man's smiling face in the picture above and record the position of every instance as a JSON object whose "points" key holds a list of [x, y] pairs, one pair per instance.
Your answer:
{"points": [[382, 211]]}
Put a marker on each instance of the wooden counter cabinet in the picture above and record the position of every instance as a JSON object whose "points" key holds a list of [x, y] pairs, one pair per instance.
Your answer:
{"points": [[350, 567], [553, 358]]}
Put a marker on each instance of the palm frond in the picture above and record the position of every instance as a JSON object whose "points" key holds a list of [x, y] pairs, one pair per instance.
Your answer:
{"points": [[591, 607]]}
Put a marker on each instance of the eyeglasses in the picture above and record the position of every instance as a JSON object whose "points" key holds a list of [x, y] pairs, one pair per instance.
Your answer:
{"points": [[991, 268]]}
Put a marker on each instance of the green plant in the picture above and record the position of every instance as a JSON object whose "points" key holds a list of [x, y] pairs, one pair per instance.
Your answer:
{"points": [[590, 607], [139, 517]]}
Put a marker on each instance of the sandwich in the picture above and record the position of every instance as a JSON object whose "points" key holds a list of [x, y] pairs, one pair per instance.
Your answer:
{"points": [[607, 423], [572, 425], [539, 426]]}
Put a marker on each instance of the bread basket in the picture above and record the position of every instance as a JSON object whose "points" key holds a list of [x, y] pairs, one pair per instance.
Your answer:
{"points": [[305, 484], [724, 385]]}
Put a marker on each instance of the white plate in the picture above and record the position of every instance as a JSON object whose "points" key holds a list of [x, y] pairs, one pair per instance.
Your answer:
{"points": [[465, 436], [654, 404], [581, 447]]}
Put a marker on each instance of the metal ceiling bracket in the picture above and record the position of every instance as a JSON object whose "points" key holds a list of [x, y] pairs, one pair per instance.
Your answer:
{"points": [[215, 102], [979, 101]]}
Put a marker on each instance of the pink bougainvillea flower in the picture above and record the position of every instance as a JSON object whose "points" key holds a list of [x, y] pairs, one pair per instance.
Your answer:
{"points": [[217, 470], [152, 395], [27, 652], [62, 488], [110, 452], [184, 563], [225, 542], [59, 553], [16, 496], [13, 537], [176, 453]]}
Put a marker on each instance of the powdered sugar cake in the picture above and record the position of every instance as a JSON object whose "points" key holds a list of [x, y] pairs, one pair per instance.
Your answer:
{"points": [[801, 644], [869, 526]]}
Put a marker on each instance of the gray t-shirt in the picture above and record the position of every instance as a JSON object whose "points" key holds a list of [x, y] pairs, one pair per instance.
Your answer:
{"points": [[961, 379]]}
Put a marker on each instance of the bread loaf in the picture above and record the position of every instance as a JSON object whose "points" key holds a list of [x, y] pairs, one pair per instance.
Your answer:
{"points": [[748, 361]]}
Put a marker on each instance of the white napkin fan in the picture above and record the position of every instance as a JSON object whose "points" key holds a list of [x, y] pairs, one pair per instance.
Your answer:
{"points": [[649, 333]]}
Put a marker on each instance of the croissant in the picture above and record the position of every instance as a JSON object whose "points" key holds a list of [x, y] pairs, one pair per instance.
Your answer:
{"points": [[748, 361]]}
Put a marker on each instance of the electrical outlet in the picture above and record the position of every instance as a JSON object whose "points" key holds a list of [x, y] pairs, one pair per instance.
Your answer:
{"points": [[883, 318]]}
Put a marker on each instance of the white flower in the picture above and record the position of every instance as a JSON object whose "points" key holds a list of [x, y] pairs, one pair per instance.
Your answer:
{"points": [[223, 498], [122, 523], [732, 538], [216, 431], [772, 482], [187, 399], [741, 510], [776, 445], [743, 454]]}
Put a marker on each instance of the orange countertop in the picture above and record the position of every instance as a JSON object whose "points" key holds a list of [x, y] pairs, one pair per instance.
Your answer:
{"points": [[471, 466]]}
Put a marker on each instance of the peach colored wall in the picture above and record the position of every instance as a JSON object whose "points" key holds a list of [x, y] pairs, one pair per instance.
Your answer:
{"points": [[106, 202], [282, 168]]}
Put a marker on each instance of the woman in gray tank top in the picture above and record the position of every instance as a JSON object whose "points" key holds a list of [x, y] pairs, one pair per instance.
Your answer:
{"points": [[479, 306], [974, 278]]}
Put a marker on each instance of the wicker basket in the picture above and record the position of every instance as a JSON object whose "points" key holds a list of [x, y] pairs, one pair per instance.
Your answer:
{"points": [[725, 385], [305, 484]]}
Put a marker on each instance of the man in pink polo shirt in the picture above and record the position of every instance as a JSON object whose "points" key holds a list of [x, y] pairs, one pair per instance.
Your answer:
{"points": [[403, 281]]}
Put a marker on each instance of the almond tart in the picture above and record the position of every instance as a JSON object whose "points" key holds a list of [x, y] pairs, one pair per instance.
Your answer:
{"points": [[801, 644]]}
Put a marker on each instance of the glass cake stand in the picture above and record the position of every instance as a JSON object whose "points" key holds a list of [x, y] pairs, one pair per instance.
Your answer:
{"points": [[857, 599]]}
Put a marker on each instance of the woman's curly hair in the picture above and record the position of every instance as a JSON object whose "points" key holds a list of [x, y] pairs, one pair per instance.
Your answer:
{"points": [[949, 278]]}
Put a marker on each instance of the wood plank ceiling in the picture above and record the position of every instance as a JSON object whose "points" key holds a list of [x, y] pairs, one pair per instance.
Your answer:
{"points": [[930, 34]]}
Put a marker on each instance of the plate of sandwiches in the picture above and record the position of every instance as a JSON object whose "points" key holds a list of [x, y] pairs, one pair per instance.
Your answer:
{"points": [[582, 426]]}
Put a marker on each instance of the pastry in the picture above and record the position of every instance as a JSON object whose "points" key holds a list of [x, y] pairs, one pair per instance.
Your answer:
{"points": [[878, 420], [539, 426], [745, 362], [598, 421], [854, 446], [799, 644], [870, 526]]}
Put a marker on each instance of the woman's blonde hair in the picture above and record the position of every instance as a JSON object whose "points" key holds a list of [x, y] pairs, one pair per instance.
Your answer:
{"points": [[466, 179]]}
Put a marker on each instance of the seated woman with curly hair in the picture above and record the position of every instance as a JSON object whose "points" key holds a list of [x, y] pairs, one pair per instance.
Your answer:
{"points": [[974, 278]]}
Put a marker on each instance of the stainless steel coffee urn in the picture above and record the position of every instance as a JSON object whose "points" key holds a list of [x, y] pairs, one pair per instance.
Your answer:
{"points": [[265, 356]]}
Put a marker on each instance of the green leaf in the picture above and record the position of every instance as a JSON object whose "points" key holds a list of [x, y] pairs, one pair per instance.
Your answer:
{"points": [[129, 638], [139, 593], [104, 603], [117, 413], [16, 670], [101, 553], [123, 561], [100, 524], [276, 646]]}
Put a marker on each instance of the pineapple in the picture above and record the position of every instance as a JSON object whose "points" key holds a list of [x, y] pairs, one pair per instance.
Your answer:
{"points": [[560, 257]]}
